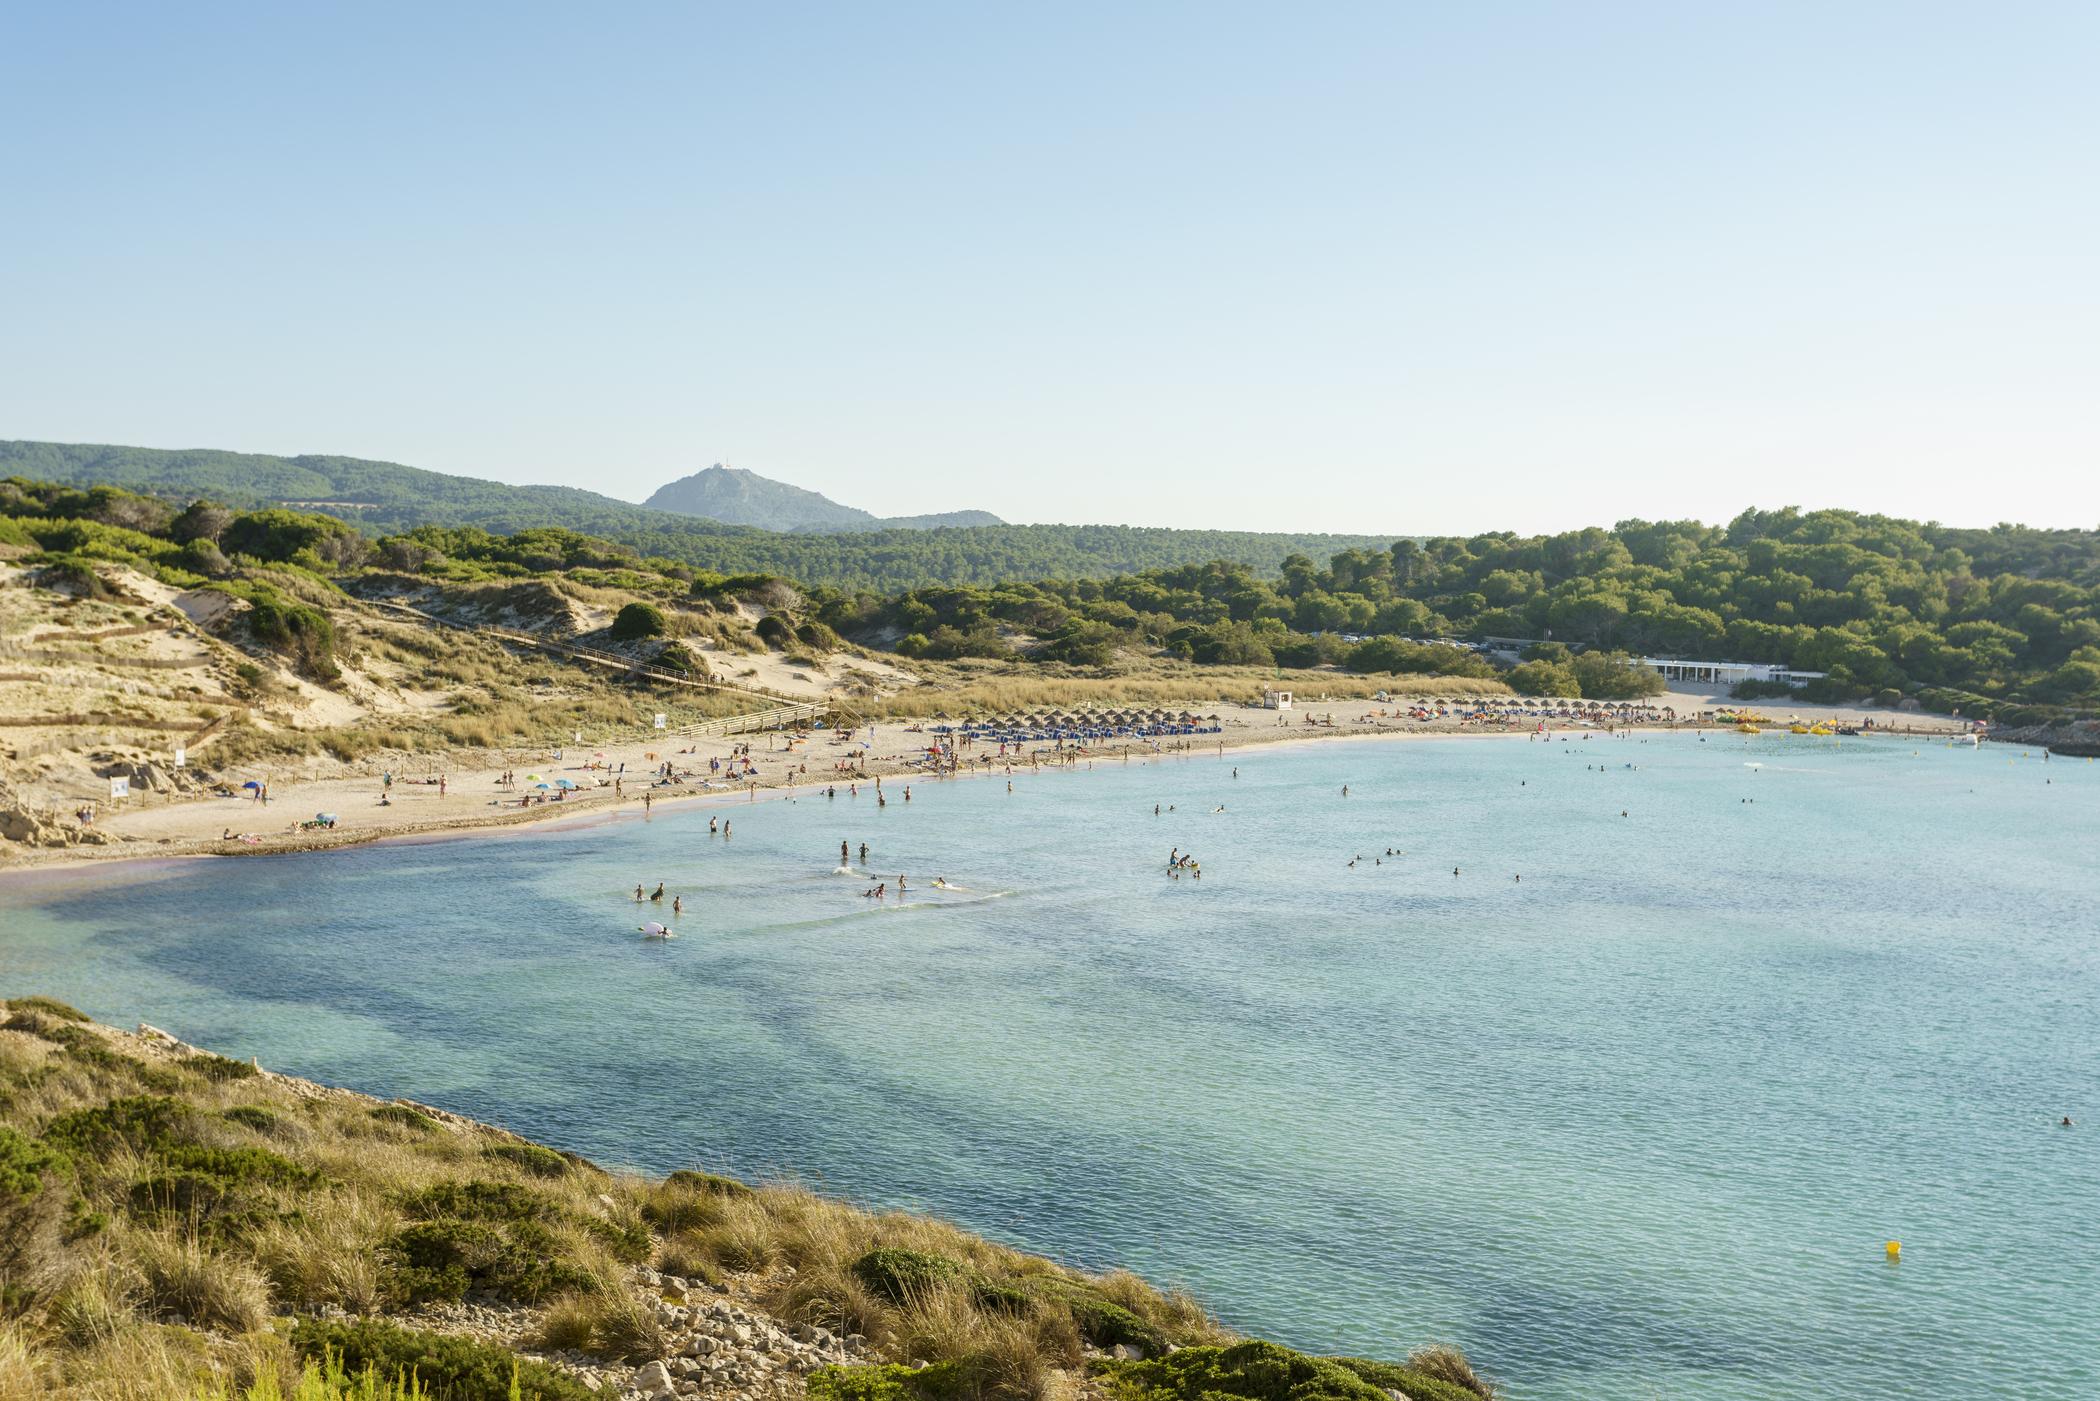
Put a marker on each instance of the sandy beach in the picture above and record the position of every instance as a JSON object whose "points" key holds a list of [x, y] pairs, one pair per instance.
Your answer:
{"points": [[615, 776]]}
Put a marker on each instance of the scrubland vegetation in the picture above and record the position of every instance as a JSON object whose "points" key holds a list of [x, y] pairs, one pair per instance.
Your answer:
{"points": [[2003, 622], [179, 1225]]}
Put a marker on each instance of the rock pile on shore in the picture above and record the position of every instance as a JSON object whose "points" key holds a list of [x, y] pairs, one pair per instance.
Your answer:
{"points": [[716, 1344]]}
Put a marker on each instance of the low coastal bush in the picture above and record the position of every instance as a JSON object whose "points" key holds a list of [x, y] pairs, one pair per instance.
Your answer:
{"points": [[1102, 1321], [530, 1157], [442, 1260], [254, 1116], [401, 1116], [1434, 1373], [887, 1382], [150, 1228], [455, 1369], [897, 1274], [1258, 1371], [213, 1067], [49, 1006], [24, 1163]]}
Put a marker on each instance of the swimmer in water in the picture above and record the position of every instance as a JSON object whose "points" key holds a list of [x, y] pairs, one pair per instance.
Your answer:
{"points": [[677, 904], [638, 894], [658, 893]]}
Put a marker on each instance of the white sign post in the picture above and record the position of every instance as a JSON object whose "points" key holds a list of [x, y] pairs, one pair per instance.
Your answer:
{"points": [[663, 722], [120, 788], [182, 757]]}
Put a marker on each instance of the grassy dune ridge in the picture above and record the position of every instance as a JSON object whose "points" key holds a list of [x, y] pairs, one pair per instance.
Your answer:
{"points": [[174, 1224]]}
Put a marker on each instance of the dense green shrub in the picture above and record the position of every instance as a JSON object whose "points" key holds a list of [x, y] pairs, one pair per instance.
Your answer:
{"points": [[889, 1381], [485, 1235], [639, 620], [24, 1162], [1543, 678], [1102, 1321], [145, 1124], [479, 1201], [75, 575], [1753, 690], [775, 631], [1258, 1371], [402, 1116], [540, 1162], [818, 637], [301, 633], [444, 1259], [1413, 1381], [49, 1006], [897, 1274], [451, 1369], [254, 1116], [710, 1183], [281, 536], [213, 1067]]}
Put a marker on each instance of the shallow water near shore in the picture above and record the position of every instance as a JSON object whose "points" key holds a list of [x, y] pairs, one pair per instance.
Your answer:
{"points": [[1637, 1124]]}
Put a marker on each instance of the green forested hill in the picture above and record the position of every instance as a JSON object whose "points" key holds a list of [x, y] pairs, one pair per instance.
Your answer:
{"points": [[392, 498]]}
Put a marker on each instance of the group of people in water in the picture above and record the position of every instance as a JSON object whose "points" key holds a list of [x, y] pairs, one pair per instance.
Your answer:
{"points": [[881, 889], [657, 896]]}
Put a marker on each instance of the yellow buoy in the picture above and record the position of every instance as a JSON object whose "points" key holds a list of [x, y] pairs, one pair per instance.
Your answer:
{"points": [[1895, 1249]]}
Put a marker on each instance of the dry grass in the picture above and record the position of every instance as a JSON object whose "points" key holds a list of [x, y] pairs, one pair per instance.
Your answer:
{"points": [[168, 1293], [181, 1279], [22, 1374], [1448, 1364]]}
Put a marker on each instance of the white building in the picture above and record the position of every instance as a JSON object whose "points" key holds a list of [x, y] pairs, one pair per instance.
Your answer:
{"points": [[1727, 673], [1276, 700]]}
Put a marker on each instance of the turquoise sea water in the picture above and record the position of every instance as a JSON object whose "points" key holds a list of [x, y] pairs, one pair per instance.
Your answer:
{"points": [[1636, 1125]]}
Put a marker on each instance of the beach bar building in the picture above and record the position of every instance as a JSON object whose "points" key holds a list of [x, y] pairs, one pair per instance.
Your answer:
{"points": [[1276, 700], [1727, 673]]}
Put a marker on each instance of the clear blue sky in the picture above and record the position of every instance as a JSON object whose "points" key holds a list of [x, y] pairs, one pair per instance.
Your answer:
{"points": [[1389, 267]]}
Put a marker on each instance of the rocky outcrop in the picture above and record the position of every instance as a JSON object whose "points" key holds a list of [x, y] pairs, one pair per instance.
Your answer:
{"points": [[26, 824], [2074, 739], [717, 1343]]}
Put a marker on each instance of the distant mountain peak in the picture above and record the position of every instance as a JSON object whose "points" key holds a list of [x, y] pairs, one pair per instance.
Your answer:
{"points": [[737, 496]]}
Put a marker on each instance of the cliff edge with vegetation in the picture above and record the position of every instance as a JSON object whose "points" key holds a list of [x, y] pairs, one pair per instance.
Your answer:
{"points": [[174, 1224]]}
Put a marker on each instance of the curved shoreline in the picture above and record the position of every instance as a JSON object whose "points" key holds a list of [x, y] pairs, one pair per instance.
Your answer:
{"points": [[1355, 722]]}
